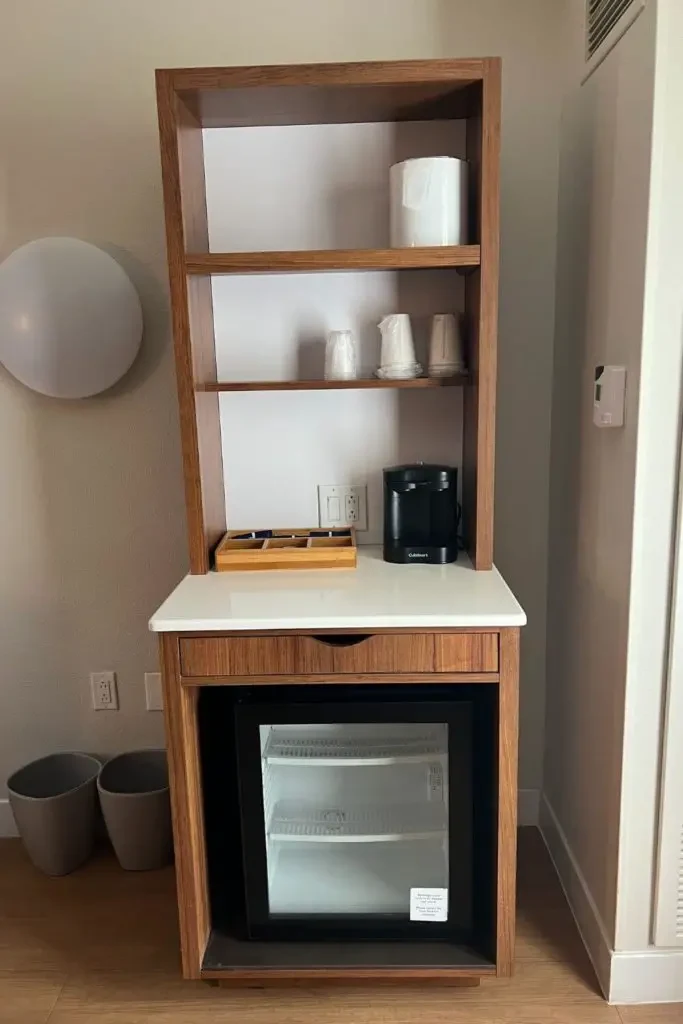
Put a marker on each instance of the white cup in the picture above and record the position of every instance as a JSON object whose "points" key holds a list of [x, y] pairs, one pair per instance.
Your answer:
{"points": [[340, 356], [446, 348], [398, 350]]}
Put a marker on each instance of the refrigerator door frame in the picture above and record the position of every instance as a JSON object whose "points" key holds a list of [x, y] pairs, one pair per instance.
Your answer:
{"points": [[249, 716]]}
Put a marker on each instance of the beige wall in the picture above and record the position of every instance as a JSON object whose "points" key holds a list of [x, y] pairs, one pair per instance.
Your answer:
{"points": [[91, 501], [603, 229]]}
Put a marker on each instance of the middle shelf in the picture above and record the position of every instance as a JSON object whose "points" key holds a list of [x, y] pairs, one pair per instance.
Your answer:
{"points": [[297, 821], [312, 260], [359, 383]]}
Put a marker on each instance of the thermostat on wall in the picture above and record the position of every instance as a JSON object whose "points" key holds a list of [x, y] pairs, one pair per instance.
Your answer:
{"points": [[609, 395]]}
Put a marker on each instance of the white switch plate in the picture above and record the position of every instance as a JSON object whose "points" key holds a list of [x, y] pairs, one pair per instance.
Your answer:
{"points": [[153, 695], [342, 505], [609, 396], [105, 696]]}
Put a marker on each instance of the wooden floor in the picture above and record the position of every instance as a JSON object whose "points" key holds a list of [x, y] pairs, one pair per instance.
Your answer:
{"points": [[101, 946]]}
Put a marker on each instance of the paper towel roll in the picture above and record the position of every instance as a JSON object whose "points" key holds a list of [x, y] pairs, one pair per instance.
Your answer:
{"points": [[429, 202]]}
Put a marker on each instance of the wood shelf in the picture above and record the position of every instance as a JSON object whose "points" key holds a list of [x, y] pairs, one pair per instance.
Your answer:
{"points": [[333, 385], [329, 93], [415, 258]]}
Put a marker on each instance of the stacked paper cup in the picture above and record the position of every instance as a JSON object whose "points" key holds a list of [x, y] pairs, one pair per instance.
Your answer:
{"points": [[446, 349], [398, 351], [340, 356]]}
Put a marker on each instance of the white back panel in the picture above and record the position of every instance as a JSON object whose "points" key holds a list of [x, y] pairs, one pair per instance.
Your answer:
{"points": [[277, 446], [274, 326], [319, 186]]}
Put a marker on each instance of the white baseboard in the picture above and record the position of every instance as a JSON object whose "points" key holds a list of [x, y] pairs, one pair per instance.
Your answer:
{"points": [[582, 905], [528, 812], [647, 976], [8, 829], [527, 806], [640, 976]]}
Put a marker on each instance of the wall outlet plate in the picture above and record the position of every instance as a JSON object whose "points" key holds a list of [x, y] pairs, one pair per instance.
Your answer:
{"points": [[103, 690], [154, 697], [343, 505]]}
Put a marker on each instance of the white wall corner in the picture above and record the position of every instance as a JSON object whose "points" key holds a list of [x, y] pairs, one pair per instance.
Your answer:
{"points": [[527, 806], [8, 828], [579, 897]]}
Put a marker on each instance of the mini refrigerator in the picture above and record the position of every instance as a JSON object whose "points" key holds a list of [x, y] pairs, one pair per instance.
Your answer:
{"points": [[369, 817]]}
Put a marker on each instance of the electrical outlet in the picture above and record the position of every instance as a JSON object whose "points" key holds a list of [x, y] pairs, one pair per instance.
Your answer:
{"points": [[153, 695], [104, 693], [343, 505]]}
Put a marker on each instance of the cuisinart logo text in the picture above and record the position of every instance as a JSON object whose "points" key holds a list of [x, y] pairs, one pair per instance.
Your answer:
{"points": [[418, 554]]}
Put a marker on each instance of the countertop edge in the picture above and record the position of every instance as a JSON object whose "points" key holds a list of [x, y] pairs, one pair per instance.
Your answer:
{"points": [[288, 625]]}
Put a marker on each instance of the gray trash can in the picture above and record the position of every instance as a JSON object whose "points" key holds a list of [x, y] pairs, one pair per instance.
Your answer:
{"points": [[134, 795], [54, 805]]}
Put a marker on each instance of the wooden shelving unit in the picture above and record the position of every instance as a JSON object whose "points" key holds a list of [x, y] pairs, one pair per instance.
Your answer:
{"points": [[206, 664], [193, 99], [417, 258]]}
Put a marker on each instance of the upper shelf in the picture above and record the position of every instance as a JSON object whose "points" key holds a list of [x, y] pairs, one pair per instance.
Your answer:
{"points": [[286, 747], [326, 93], [415, 258]]}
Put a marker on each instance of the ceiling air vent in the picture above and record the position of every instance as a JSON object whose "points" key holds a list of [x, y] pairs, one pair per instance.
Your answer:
{"points": [[601, 17]]}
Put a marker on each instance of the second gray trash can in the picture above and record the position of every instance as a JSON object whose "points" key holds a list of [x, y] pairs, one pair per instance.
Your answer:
{"points": [[134, 795], [53, 801]]}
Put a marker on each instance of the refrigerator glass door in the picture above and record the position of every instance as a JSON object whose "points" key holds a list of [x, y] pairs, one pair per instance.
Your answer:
{"points": [[356, 816], [354, 827]]}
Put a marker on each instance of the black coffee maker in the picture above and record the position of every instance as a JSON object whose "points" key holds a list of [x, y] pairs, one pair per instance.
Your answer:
{"points": [[421, 514]]}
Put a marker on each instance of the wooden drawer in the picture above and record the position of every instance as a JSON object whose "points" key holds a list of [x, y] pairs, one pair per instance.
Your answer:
{"points": [[466, 652], [330, 655], [390, 652], [255, 656]]}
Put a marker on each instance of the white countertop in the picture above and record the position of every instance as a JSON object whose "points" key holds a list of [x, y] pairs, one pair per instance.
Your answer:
{"points": [[375, 595]]}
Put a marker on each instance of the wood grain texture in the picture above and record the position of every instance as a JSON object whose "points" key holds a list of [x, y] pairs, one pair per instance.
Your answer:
{"points": [[254, 656], [182, 169], [309, 551], [339, 678], [426, 655], [360, 384], [180, 716], [469, 652], [447, 71], [508, 729], [481, 312], [315, 260], [407, 653], [328, 93], [664, 1013]]}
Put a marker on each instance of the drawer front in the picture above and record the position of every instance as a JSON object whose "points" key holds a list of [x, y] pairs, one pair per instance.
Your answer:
{"points": [[466, 652], [389, 654], [255, 656]]}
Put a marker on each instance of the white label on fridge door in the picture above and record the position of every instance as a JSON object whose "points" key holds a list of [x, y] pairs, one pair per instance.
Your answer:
{"points": [[429, 904], [435, 789]]}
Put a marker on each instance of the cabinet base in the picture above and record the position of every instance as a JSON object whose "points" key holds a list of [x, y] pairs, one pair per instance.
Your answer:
{"points": [[347, 978], [237, 962]]}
